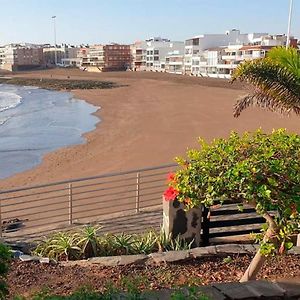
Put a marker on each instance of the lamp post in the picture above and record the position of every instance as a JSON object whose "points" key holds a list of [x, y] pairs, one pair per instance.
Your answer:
{"points": [[54, 27], [289, 25]]}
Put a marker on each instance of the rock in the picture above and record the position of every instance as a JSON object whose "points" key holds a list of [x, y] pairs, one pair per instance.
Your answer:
{"points": [[294, 250], [230, 249], [16, 253], [27, 258], [203, 251], [250, 249], [122, 260], [170, 256], [44, 260]]}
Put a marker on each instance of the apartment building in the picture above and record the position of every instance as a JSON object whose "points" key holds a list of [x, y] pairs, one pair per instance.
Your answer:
{"points": [[63, 52], [194, 47], [221, 61], [101, 58], [157, 50], [15, 57], [174, 62], [139, 56]]}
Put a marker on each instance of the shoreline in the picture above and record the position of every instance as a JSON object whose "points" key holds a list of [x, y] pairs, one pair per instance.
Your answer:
{"points": [[61, 137], [147, 121]]}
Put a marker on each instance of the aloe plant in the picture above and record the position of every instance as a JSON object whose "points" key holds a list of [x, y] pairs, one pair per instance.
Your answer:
{"points": [[88, 242], [61, 246]]}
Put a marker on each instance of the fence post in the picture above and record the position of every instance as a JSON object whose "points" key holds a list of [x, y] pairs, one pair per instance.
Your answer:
{"points": [[70, 205], [205, 226], [137, 193]]}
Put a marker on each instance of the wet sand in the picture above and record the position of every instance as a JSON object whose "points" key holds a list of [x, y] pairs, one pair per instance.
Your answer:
{"points": [[148, 122]]}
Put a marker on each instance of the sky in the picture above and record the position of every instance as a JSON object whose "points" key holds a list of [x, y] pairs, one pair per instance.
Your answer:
{"points": [[126, 21]]}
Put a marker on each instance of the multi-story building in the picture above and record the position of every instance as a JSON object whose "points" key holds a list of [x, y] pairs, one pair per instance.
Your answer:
{"points": [[221, 61], [157, 50], [174, 62], [101, 58], [15, 57], [139, 55], [195, 46], [62, 52]]}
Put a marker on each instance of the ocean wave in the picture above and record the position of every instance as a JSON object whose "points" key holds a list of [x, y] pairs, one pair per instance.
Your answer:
{"points": [[9, 100]]}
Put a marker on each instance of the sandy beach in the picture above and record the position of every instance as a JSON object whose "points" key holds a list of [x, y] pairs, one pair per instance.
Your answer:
{"points": [[147, 122]]}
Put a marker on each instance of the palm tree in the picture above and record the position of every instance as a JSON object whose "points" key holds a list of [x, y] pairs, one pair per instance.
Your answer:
{"points": [[275, 80]]}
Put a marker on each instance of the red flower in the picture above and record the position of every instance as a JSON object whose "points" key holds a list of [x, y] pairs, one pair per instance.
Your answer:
{"points": [[171, 177], [170, 194]]}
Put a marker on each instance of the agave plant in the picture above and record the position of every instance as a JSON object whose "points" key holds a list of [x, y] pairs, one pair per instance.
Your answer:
{"points": [[89, 242], [179, 244], [275, 82], [145, 243], [163, 240], [61, 246], [122, 243]]}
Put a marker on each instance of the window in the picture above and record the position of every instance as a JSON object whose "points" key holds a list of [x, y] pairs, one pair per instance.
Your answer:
{"points": [[156, 52]]}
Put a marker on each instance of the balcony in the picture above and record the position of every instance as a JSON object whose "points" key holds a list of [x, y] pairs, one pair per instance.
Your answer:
{"points": [[233, 57]]}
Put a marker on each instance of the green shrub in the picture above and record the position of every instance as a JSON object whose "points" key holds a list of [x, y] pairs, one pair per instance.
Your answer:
{"points": [[5, 257], [260, 169]]}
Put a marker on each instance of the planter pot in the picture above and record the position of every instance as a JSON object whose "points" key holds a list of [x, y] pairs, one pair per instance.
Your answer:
{"points": [[178, 222]]}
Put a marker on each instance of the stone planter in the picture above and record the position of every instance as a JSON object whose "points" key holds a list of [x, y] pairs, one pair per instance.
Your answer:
{"points": [[178, 222]]}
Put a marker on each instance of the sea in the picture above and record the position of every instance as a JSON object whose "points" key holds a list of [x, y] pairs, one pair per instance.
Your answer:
{"points": [[36, 121]]}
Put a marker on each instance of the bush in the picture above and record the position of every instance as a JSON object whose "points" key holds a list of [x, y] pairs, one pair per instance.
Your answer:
{"points": [[260, 169], [5, 257]]}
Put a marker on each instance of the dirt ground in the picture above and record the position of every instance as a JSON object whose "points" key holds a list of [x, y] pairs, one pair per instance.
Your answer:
{"points": [[28, 278]]}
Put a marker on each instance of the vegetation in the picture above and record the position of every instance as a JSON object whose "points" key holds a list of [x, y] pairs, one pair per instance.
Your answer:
{"points": [[89, 243], [59, 84], [275, 80], [5, 257], [113, 293], [260, 169]]}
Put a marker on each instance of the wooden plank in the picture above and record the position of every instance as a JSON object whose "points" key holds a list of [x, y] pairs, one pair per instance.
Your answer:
{"points": [[236, 222]]}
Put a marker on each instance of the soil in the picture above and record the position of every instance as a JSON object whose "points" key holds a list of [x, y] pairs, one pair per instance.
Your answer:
{"points": [[31, 277]]}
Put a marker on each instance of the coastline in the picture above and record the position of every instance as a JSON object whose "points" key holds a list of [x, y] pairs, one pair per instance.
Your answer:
{"points": [[146, 122]]}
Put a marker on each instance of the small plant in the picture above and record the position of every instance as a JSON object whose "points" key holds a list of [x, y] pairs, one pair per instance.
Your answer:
{"points": [[163, 240], [122, 243], [5, 257], [179, 244], [145, 244], [227, 260], [190, 293], [89, 242], [61, 246]]}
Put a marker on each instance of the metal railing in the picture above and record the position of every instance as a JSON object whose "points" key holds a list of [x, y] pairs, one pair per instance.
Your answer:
{"points": [[32, 210]]}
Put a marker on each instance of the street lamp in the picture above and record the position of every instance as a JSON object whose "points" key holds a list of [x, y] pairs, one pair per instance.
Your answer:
{"points": [[54, 27], [289, 25]]}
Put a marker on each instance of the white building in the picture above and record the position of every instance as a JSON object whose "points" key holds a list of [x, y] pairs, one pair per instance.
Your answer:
{"points": [[157, 50], [195, 46], [174, 62]]}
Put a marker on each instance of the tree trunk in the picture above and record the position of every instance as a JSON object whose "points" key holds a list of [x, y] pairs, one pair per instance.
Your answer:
{"points": [[254, 267], [259, 259]]}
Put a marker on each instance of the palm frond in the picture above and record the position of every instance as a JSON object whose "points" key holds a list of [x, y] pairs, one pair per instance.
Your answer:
{"points": [[275, 87]]}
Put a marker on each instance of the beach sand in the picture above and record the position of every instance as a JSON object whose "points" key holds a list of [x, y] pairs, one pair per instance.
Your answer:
{"points": [[147, 122]]}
